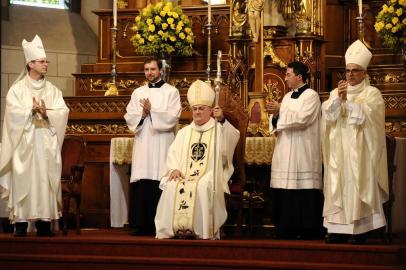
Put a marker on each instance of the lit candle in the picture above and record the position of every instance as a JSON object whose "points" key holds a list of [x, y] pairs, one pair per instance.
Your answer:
{"points": [[115, 13], [219, 61], [209, 15], [360, 7]]}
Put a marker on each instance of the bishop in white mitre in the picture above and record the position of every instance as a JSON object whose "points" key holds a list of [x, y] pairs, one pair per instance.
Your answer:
{"points": [[197, 161], [354, 153], [33, 131]]}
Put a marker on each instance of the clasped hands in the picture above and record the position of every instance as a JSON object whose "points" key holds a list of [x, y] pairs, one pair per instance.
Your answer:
{"points": [[146, 107], [342, 90], [272, 107], [39, 107]]}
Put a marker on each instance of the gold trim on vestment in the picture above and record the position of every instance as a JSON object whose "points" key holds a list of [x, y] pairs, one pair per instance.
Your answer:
{"points": [[185, 197]]}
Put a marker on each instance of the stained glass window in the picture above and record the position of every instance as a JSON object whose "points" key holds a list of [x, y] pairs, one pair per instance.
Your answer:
{"points": [[41, 3]]}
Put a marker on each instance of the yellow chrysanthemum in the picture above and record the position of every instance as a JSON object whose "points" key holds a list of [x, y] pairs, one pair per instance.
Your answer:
{"points": [[149, 21], [137, 19], [391, 9], [395, 20], [399, 12], [384, 8], [175, 15], [178, 28], [162, 13], [388, 26], [404, 21], [182, 35], [151, 28], [151, 38], [158, 19], [395, 29], [164, 26], [172, 38], [170, 13], [378, 27], [134, 28], [161, 33], [173, 26], [169, 5], [141, 41], [188, 30], [158, 6], [137, 36], [170, 20]]}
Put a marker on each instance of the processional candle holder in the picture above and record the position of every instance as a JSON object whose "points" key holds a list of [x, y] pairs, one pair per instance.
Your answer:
{"points": [[112, 87], [360, 20]]}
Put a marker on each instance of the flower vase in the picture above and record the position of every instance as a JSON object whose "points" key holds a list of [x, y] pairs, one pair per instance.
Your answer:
{"points": [[166, 66]]}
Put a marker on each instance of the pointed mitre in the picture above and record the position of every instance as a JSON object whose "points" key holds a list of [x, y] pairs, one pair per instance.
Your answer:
{"points": [[33, 50], [200, 93], [358, 54]]}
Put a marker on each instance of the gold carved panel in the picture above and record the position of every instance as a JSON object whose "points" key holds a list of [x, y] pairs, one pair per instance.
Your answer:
{"points": [[97, 128]]}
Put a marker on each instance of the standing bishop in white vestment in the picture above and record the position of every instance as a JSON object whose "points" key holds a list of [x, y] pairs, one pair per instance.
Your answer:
{"points": [[354, 153], [33, 132], [186, 204], [152, 114]]}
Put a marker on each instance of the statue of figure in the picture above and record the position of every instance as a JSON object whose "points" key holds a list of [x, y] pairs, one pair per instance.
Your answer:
{"points": [[254, 8], [238, 18]]}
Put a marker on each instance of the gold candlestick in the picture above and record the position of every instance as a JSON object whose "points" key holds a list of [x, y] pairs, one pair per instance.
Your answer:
{"points": [[113, 91]]}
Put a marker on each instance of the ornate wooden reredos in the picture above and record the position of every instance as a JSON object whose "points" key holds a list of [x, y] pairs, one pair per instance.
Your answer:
{"points": [[316, 32]]}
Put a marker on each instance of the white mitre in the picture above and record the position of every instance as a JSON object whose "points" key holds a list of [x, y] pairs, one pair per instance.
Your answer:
{"points": [[33, 50], [358, 54], [200, 93]]}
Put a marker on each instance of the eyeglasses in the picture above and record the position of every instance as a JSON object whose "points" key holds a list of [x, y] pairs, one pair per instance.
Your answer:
{"points": [[41, 61], [353, 71]]}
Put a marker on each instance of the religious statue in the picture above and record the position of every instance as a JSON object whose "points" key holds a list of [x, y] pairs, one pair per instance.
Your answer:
{"points": [[239, 18], [254, 9]]}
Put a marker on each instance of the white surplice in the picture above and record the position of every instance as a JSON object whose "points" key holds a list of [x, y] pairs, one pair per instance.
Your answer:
{"points": [[156, 133], [354, 154], [296, 161], [227, 139], [30, 159]]}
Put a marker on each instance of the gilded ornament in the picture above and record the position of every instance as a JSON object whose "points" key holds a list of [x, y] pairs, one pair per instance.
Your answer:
{"points": [[270, 51]]}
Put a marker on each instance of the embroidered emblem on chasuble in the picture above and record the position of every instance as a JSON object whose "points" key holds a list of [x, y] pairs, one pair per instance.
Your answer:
{"points": [[185, 198]]}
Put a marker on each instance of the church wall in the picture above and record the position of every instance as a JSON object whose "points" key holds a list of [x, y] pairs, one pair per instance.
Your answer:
{"points": [[86, 12]]}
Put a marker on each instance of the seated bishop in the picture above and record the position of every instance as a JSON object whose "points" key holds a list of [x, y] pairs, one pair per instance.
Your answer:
{"points": [[199, 163]]}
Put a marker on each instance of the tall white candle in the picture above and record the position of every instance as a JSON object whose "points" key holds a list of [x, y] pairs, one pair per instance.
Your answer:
{"points": [[209, 15], [360, 7], [219, 61], [114, 13]]}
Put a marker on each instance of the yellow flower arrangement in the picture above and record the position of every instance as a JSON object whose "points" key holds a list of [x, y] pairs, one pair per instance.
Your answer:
{"points": [[162, 29], [391, 23]]}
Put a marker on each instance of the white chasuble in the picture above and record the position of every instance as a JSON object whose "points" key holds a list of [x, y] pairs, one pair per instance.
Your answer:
{"points": [[198, 157], [155, 133], [30, 160], [296, 161], [354, 154], [179, 158]]}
